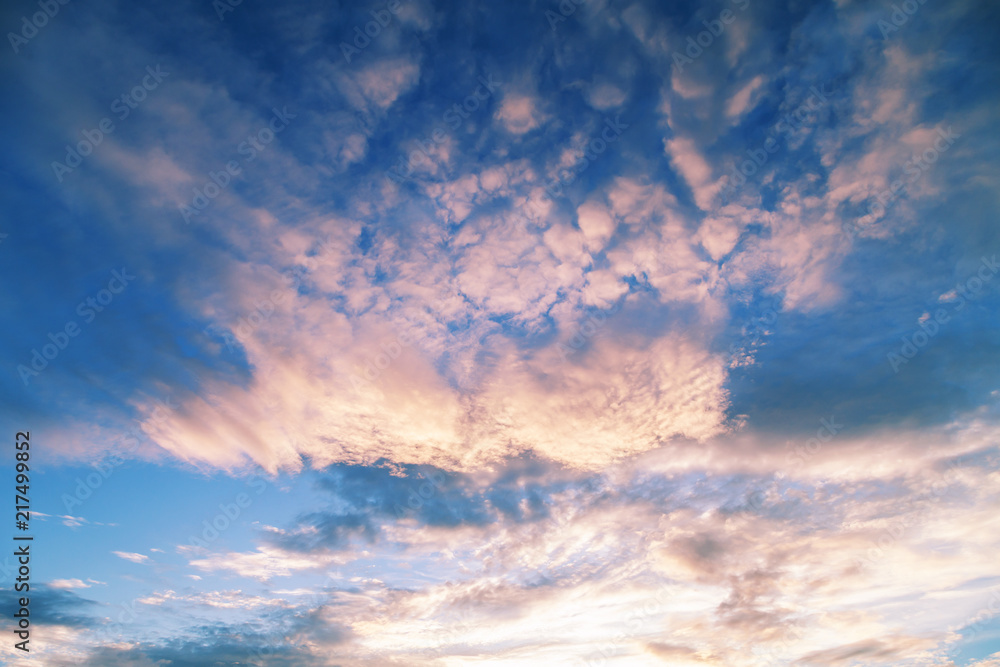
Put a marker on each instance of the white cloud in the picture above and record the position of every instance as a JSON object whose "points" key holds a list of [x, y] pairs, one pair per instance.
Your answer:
{"points": [[379, 84], [740, 102], [595, 222], [263, 564], [604, 96], [224, 599], [135, 558], [694, 168], [519, 113], [68, 584]]}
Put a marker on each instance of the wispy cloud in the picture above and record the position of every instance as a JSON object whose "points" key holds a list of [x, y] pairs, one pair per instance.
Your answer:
{"points": [[573, 332], [134, 557]]}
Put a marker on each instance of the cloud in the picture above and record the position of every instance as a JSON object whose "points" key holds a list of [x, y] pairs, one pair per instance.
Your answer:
{"points": [[135, 558], [461, 264], [879, 652], [644, 396], [680, 655], [380, 84], [68, 583], [545, 427], [741, 551], [369, 504], [52, 607], [519, 113], [694, 168], [740, 103], [595, 222], [231, 599], [263, 564], [678, 551], [605, 96]]}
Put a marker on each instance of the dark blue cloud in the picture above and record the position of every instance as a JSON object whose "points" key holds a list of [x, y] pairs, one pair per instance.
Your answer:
{"points": [[366, 498], [273, 641], [51, 606]]}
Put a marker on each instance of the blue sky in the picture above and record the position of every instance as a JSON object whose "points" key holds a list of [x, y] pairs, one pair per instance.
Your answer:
{"points": [[584, 333]]}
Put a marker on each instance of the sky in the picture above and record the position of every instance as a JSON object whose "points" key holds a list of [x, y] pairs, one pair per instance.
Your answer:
{"points": [[424, 333]]}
